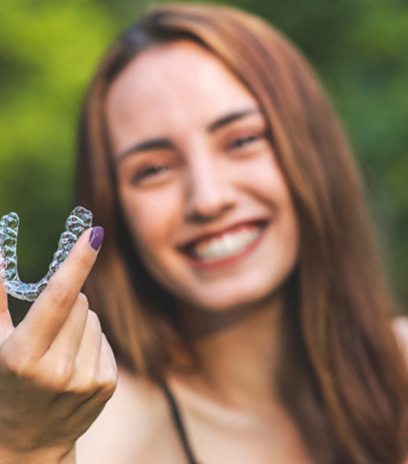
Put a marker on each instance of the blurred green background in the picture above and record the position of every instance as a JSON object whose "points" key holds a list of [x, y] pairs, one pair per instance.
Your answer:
{"points": [[49, 49]]}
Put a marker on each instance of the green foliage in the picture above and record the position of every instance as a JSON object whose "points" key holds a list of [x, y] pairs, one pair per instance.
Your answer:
{"points": [[49, 49]]}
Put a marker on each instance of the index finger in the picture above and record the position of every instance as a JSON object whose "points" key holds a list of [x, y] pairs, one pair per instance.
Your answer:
{"points": [[51, 309]]}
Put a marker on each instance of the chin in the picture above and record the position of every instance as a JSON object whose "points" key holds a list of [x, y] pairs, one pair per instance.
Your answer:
{"points": [[221, 303]]}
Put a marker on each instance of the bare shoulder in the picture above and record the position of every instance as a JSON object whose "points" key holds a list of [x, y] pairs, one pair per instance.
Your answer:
{"points": [[400, 326], [134, 421]]}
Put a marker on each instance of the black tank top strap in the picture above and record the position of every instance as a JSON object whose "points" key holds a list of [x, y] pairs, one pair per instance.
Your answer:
{"points": [[179, 424]]}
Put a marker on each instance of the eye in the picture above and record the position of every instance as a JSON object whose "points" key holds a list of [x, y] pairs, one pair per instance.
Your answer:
{"points": [[245, 140], [149, 172]]}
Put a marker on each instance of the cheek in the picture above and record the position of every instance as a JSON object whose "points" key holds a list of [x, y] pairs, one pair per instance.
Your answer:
{"points": [[149, 216], [271, 188], [265, 179]]}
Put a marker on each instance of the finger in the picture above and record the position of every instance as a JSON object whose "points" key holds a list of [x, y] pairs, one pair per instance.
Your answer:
{"points": [[100, 389], [107, 374], [51, 309], [64, 349], [6, 324], [108, 369], [87, 359], [63, 373], [106, 383]]}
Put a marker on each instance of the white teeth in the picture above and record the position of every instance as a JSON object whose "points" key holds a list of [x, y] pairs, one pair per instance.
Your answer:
{"points": [[227, 245]]}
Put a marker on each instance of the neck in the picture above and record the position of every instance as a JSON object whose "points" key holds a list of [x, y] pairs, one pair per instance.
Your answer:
{"points": [[238, 352]]}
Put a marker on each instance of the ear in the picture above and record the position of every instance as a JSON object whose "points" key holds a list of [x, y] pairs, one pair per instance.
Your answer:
{"points": [[400, 327]]}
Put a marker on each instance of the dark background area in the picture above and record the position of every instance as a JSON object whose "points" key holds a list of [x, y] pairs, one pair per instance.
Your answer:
{"points": [[49, 50]]}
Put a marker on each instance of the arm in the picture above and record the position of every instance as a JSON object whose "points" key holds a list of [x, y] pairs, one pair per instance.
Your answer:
{"points": [[56, 368]]}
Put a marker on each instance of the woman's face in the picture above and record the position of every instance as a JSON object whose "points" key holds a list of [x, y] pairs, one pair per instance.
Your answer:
{"points": [[205, 200]]}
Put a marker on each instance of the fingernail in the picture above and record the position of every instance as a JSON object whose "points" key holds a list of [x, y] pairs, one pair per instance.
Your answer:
{"points": [[96, 237]]}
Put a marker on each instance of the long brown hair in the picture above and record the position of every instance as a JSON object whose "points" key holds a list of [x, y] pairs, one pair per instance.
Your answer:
{"points": [[346, 388]]}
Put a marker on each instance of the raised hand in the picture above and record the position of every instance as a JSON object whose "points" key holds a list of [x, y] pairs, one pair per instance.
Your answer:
{"points": [[57, 369]]}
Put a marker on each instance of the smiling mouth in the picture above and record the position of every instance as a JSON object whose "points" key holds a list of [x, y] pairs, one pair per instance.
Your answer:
{"points": [[226, 247]]}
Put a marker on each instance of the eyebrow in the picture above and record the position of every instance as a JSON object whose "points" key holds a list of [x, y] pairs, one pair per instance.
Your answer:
{"points": [[231, 117], [163, 142]]}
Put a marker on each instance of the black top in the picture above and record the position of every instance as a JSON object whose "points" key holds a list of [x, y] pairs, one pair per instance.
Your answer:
{"points": [[178, 422]]}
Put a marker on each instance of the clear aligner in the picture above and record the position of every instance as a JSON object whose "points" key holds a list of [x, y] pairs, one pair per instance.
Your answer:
{"points": [[79, 220]]}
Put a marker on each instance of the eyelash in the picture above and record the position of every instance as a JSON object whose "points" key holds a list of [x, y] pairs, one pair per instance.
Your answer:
{"points": [[243, 141], [237, 144], [148, 172]]}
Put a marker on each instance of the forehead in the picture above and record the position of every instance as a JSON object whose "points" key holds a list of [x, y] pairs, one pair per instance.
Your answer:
{"points": [[174, 84]]}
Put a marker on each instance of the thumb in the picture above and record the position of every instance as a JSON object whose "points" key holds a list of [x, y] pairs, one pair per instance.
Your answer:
{"points": [[6, 324]]}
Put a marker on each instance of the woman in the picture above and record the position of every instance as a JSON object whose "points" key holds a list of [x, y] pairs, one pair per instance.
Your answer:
{"points": [[238, 282]]}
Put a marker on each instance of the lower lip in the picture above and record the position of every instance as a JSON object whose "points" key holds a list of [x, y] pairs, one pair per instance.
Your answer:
{"points": [[228, 261]]}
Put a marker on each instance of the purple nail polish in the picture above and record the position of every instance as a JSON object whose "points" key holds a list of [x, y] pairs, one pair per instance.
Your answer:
{"points": [[96, 237]]}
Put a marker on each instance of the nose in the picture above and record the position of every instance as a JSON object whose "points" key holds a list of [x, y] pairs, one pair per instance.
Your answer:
{"points": [[209, 192]]}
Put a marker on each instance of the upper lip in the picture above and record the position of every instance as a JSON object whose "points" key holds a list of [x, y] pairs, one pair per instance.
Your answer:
{"points": [[208, 234]]}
